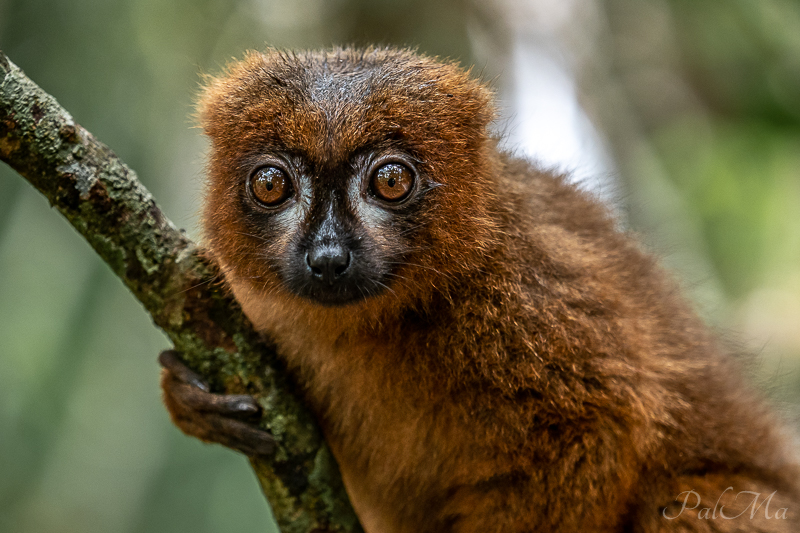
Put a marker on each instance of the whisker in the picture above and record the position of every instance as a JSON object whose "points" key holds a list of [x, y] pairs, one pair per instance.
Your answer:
{"points": [[259, 237]]}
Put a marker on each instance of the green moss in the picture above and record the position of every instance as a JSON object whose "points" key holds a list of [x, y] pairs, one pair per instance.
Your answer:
{"points": [[103, 200]]}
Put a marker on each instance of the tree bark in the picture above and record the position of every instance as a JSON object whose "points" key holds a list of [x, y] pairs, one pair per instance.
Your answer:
{"points": [[102, 199]]}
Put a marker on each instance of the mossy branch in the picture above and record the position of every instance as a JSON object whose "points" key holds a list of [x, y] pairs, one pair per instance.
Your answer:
{"points": [[101, 197]]}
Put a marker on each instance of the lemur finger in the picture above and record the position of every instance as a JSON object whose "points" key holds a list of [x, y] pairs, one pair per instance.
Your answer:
{"points": [[222, 404], [170, 360], [241, 436]]}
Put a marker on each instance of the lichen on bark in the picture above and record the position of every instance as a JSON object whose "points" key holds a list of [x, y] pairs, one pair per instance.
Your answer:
{"points": [[102, 198]]}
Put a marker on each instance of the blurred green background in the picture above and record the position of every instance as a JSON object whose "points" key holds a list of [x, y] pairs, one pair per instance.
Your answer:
{"points": [[692, 108]]}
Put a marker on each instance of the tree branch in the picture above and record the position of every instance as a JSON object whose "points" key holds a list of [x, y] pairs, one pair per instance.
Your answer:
{"points": [[101, 197]]}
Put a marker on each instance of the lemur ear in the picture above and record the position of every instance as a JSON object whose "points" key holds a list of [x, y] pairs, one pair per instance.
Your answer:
{"points": [[223, 99]]}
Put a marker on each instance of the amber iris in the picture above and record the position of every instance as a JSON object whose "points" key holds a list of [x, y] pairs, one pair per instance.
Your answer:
{"points": [[270, 186], [392, 182]]}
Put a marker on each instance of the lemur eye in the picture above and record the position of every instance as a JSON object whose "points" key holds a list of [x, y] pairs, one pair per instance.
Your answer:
{"points": [[392, 182], [270, 186]]}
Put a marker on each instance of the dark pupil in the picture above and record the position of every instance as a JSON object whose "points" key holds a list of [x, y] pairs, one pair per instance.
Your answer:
{"points": [[269, 183], [391, 182]]}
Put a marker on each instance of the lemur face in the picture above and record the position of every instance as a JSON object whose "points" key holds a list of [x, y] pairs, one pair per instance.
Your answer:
{"points": [[339, 176], [334, 231]]}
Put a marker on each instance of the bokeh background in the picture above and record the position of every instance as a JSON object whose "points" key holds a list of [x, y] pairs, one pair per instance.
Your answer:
{"points": [[684, 114]]}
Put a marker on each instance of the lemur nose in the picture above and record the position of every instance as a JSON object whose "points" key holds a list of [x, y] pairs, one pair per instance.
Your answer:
{"points": [[328, 263]]}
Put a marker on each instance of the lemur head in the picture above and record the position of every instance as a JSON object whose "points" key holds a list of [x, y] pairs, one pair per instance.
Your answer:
{"points": [[347, 175]]}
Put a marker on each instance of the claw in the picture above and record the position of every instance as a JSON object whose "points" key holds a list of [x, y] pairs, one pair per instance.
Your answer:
{"points": [[169, 359]]}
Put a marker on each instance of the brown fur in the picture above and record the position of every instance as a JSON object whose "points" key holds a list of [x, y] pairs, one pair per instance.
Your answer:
{"points": [[530, 368]]}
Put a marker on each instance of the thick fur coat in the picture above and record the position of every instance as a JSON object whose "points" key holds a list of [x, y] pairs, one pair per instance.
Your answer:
{"points": [[522, 365]]}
